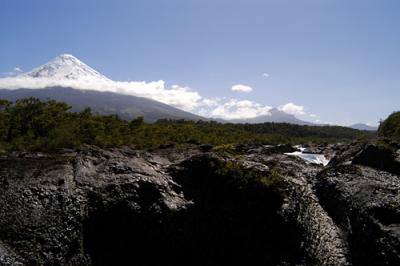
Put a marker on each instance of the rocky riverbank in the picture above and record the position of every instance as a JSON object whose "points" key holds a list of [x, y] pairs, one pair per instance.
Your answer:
{"points": [[200, 206]]}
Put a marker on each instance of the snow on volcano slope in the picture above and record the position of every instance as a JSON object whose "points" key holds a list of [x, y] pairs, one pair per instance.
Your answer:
{"points": [[64, 71], [66, 78], [69, 72], [67, 67]]}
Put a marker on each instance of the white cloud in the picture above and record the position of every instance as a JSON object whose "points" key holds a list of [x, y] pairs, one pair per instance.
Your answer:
{"points": [[372, 124], [320, 122], [180, 97], [293, 109], [266, 75], [314, 116], [241, 88], [235, 109], [210, 102], [15, 71]]}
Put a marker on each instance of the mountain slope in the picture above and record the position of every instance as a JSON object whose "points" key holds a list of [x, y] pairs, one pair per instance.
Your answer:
{"points": [[65, 66], [275, 116], [126, 106], [361, 126], [66, 78], [60, 79]]}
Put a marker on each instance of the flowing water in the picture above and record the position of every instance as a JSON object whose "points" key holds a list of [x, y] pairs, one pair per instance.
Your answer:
{"points": [[310, 157]]}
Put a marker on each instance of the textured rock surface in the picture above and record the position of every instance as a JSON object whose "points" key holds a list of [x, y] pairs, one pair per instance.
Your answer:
{"points": [[45, 200], [379, 157], [7, 257], [182, 207], [321, 239], [364, 202]]}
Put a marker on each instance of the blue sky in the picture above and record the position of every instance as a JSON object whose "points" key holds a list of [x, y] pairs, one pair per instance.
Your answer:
{"points": [[339, 59]]}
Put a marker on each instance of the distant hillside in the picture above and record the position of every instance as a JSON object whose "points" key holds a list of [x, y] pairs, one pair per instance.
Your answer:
{"points": [[361, 126], [390, 127], [276, 116], [126, 106]]}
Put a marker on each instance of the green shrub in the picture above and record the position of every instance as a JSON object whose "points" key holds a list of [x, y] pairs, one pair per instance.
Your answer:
{"points": [[390, 128], [274, 179], [224, 147], [244, 177]]}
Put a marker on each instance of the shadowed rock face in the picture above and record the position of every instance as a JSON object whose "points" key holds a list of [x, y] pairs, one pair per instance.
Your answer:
{"points": [[378, 157], [218, 223], [363, 202], [195, 207]]}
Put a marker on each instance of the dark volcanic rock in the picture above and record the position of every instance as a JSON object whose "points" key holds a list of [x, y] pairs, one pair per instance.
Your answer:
{"points": [[378, 157], [364, 202], [233, 221], [195, 206], [48, 201], [7, 257], [266, 149], [328, 150]]}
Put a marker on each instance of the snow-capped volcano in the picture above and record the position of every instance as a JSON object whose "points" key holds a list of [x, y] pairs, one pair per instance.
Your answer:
{"points": [[65, 66], [66, 78], [67, 71]]}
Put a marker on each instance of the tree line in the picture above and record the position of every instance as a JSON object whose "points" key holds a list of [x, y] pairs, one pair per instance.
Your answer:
{"points": [[33, 125]]}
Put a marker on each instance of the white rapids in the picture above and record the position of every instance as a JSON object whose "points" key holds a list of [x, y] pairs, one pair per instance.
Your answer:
{"points": [[310, 157]]}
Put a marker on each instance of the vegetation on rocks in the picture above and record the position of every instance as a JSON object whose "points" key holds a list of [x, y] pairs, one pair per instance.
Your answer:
{"points": [[390, 128], [243, 177]]}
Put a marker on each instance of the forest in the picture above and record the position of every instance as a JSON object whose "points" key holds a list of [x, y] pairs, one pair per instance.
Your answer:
{"points": [[33, 125]]}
